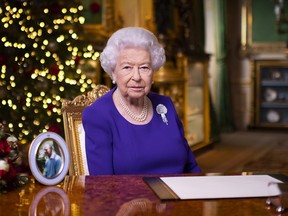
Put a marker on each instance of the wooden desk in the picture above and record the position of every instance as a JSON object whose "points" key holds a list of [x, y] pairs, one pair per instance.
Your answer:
{"points": [[116, 195]]}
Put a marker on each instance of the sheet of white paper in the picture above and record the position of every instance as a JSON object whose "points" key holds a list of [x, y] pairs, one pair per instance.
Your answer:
{"points": [[210, 187]]}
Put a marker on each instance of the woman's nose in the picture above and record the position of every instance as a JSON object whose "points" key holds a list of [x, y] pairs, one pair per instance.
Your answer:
{"points": [[136, 74]]}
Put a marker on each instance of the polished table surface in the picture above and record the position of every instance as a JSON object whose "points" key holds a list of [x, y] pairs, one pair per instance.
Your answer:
{"points": [[117, 195]]}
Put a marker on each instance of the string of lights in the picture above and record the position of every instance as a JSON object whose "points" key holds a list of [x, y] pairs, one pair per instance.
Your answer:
{"points": [[40, 52]]}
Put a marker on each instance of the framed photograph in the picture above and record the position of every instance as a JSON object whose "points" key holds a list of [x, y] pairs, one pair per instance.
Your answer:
{"points": [[99, 20], [93, 11], [50, 200], [49, 158], [260, 33]]}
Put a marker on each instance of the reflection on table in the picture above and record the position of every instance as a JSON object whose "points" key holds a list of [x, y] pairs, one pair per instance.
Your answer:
{"points": [[117, 195]]}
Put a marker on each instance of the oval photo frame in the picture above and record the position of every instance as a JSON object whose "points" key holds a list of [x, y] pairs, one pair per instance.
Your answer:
{"points": [[49, 158]]}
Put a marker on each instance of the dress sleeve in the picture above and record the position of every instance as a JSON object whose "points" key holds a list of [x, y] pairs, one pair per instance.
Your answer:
{"points": [[98, 141], [191, 166]]}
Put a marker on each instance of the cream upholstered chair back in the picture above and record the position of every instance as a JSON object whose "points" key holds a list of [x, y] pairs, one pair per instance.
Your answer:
{"points": [[73, 128]]}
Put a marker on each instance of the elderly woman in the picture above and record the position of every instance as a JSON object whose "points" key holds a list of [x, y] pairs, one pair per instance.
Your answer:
{"points": [[131, 130]]}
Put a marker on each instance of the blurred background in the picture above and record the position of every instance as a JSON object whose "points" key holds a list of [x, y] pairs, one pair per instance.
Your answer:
{"points": [[226, 70]]}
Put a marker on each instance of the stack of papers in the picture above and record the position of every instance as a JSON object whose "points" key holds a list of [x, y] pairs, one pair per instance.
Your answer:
{"points": [[212, 187]]}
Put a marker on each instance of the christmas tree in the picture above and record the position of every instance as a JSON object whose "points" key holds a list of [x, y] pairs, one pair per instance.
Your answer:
{"points": [[40, 51]]}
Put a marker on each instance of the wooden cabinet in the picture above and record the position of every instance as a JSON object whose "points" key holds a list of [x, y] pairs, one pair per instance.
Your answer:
{"points": [[169, 80], [186, 82], [197, 106], [271, 93]]}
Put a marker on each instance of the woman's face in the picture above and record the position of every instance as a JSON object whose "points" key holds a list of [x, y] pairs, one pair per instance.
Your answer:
{"points": [[133, 72]]}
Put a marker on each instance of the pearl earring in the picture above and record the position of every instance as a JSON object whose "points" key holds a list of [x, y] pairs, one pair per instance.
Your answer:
{"points": [[113, 81]]}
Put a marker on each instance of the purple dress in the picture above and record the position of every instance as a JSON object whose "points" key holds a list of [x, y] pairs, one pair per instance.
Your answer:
{"points": [[115, 146]]}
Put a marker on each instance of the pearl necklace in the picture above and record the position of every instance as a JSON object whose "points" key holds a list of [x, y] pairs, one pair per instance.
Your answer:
{"points": [[142, 116]]}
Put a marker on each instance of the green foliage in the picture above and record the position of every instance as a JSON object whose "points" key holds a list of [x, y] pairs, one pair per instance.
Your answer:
{"points": [[40, 52]]}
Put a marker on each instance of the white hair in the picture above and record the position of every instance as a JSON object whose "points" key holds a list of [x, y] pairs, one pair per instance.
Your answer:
{"points": [[131, 37], [48, 143]]}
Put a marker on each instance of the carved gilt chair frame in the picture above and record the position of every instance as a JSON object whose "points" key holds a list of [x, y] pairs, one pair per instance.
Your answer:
{"points": [[73, 128]]}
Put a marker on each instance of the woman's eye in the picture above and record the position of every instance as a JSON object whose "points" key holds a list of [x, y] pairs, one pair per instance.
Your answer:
{"points": [[127, 67], [144, 69]]}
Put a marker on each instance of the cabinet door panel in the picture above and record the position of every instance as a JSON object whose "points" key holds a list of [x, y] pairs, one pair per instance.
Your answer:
{"points": [[196, 118], [271, 93]]}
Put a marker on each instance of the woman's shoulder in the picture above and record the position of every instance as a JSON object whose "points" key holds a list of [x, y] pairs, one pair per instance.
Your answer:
{"points": [[101, 104]]}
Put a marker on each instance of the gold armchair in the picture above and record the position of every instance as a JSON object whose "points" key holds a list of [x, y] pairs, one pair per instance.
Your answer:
{"points": [[73, 128]]}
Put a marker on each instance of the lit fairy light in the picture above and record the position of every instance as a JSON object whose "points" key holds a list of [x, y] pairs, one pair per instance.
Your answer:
{"points": [[83, 76], [60, 39], [15, 10], [28, 100], [73, 10], [89, 82], [40, 32], [81, 20], [55, 110], [7, 44], [36, 122], [40, 71], [68, 18], [64, 10], [74, 36], [55, 56], [61, 89], [48, 54], [10, 125], [81, 81], [13, 84], [89, 47], [68, 62], [3, 70], [29, 95]]}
